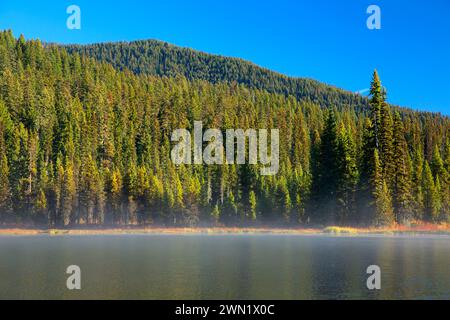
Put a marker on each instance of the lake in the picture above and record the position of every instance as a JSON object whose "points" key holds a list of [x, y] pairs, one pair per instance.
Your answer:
{"points": [[224, 267]]}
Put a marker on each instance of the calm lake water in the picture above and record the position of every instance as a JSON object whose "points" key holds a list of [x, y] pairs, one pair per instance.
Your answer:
{"points": [[224, 267]]}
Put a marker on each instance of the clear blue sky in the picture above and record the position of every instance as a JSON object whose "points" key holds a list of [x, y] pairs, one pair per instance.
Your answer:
{"points": [[320, 39]]}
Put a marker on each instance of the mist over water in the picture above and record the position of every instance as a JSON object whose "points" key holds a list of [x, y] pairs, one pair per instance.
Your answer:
{"points": [[224, 267]]}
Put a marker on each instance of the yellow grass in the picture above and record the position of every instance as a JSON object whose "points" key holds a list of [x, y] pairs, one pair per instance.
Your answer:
{"points": [[418, 228], [339, 230]]}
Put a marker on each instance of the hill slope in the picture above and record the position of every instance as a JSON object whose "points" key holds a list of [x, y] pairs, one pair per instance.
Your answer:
{"points": [[162, 59]]}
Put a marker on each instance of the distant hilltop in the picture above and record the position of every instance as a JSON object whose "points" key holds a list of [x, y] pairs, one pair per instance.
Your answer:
{"points": [[159, 58]]}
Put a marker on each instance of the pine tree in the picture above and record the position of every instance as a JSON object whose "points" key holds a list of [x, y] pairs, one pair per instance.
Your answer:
{"points": [[443, 190], [366, 189], [54, 192], [386, 148], [402, 197], [438, 200], [300, 184], [446, 185], [215, 214], [68, 194], [131, 193], [383, 214], [157, 195], [5, 193], [417, 182], [437, 164], [431, 194], [447, 155], [40, 206], [230, 208], [283, 202], [252, 202], [376, 103], [142, 194], [348, 176], [325, 179], [90, 191], [115, 196]]}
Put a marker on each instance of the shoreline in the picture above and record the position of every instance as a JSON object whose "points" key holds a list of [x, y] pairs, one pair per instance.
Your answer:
{"points": [[425, 229]]}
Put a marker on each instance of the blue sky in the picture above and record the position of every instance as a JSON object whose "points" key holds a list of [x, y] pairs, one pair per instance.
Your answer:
{"points": [[320, 39]]}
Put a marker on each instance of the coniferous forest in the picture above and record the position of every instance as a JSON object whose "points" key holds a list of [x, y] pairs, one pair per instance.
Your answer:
{"points": [[162, 59], [85, 140]]}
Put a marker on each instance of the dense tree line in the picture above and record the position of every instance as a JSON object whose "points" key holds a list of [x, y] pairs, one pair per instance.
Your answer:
{"points": [[84, 143]]}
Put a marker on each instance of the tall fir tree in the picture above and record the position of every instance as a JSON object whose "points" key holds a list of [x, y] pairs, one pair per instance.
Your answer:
{"points": [[348, 177], [68, 194], [417, 180], [431, 197], [402, 184], [376, 102], [326, 176], [366, 189], [386, 148], [383, 214], [5, 193]]}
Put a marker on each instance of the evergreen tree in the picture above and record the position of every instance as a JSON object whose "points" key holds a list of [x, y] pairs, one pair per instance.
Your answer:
{"points": [[252, 201], [376, 103], [431, 194], [386, 147], [325, 180], [91, 192], [446, 185], [366, 188], [68, 194], [437, 164], [383, 214], [115, 196], [417, 180], [5, 193], [215, 214], [285, 202], [348, 176], [402, 176]]}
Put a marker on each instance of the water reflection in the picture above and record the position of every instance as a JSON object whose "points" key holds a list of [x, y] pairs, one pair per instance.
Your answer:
{"points": [[224, 267]]}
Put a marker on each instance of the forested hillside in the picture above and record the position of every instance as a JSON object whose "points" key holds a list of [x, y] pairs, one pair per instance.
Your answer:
{"points": [[159, 58], [84, 143]]}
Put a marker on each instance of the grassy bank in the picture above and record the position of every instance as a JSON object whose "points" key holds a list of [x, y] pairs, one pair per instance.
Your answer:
{"points": [[333, 230]]}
